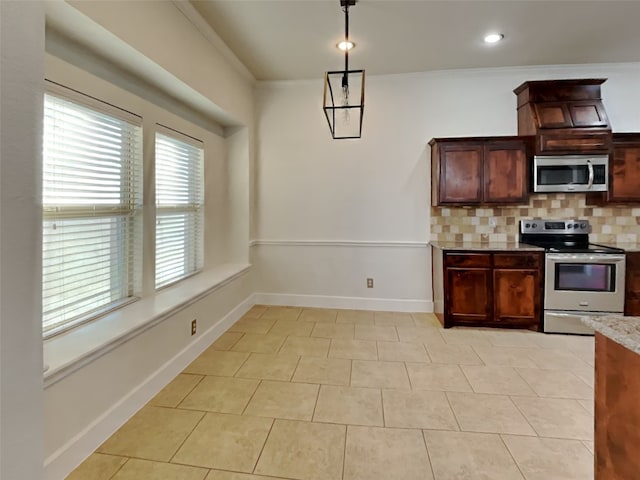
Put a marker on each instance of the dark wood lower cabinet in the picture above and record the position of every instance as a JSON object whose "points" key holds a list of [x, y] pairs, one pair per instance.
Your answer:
{"points": [[617, 411], [517, 286], [517, 296], [632, 284], [489, 289], [469, 295]]}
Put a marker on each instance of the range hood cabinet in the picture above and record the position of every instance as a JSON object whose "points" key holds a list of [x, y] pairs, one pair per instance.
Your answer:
{"points": [[564, 116]]}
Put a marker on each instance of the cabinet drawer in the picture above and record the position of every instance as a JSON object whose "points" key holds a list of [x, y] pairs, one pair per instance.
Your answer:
{"points": [[510, 260], [584, 142], [467, 260]]}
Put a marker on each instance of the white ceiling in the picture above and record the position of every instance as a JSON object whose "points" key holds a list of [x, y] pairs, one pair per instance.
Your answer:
{"points": [[295, 39]]}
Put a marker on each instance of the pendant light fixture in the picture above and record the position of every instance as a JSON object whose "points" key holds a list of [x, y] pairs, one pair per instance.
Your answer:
{"points": [[343, 98]]}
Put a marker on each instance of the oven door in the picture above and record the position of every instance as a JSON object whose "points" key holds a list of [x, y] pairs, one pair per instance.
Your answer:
{"points": [[584, 282], [570, 174]]}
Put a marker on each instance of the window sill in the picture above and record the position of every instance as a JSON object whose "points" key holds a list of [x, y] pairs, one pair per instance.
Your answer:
{"points": [[69, 351]]}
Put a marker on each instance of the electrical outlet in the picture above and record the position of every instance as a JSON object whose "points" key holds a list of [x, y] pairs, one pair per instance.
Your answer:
{"points": [[369, 282], [194, 325]]}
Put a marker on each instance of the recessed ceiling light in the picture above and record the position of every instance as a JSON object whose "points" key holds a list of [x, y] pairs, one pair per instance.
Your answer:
{"points": [[493, 38], [344, 45]]}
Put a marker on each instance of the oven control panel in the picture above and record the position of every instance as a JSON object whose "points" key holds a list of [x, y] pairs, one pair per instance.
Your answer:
{"points": [[554, 227]]}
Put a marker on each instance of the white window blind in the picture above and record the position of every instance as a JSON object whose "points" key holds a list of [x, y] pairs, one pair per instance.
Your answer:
{"points": [[179, 208], [92, 197]]}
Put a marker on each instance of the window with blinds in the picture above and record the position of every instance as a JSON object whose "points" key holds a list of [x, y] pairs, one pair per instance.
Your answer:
{"points": [[179, 207], [92, 198]]}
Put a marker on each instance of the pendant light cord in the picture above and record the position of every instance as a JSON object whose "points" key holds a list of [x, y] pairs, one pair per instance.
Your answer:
{"points": [[345, 81]]}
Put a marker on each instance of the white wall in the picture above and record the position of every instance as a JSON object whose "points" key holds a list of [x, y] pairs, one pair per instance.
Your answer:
{"points": [[21, 68], [165, 36], [84, 405], [313, 192]]}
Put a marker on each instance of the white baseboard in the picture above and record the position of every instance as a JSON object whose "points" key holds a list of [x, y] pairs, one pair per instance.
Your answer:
{"points": [[58, 465], [355, 303]]}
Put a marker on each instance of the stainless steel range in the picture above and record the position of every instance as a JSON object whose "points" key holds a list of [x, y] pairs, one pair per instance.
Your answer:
{"points": [[581, 278]]}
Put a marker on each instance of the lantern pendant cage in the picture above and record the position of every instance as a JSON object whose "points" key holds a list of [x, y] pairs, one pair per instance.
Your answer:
{"points": [[343, 97]]}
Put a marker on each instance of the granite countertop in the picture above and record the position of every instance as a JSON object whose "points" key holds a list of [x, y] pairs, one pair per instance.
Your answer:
{"points": [[622, 330], [508, 246]]}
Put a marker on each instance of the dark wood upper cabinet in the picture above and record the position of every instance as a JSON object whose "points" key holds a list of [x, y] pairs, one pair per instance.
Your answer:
{"points": [[506, 172], [624, 172], [474, 171], [565, 116], [574, 114], [461, 169]]}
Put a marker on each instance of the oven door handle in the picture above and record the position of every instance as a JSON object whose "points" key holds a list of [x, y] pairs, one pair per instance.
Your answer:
{"points": [[584, 258], [590, 167]]}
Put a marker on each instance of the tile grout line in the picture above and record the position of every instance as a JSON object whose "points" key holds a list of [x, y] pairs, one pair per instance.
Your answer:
{"points": [[294, 370], [525, 381], [122, 466], [525, 417], [406, 370], [515, 462], [242, 334], [315, 405], [461, 370], [344, 450], [455, 417], [266, 439], [426, 447], [251, 398], [204, 414], [190, 391]]}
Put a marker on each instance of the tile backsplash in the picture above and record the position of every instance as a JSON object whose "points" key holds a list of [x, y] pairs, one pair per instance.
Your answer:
{"points": [[476, 224]]}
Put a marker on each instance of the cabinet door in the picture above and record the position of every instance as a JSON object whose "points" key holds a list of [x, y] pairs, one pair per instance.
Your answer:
{"points": [[632, 285], [624, 176], [517, 296], [571, 114], [617, 411], [552, 115], [460, 173], [468, 296], [588, 113], [505, 173]]}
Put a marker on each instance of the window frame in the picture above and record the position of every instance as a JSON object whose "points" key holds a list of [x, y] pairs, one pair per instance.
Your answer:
{"points": [[129, 209], [194, 253]]}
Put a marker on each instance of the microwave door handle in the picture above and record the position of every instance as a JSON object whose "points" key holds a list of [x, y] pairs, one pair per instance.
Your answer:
{"points": [[590, 167]]}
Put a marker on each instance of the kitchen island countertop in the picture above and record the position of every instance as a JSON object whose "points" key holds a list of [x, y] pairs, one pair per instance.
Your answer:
{"points": [[496, 246], [620, 329]]}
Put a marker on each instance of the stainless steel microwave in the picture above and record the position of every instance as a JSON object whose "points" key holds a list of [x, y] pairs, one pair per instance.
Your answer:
{"points": [[570, 173]]}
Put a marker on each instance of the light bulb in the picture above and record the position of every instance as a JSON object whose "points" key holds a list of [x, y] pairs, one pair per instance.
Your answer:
{"points": [[345, 45], [493, 38], [345, 103]]}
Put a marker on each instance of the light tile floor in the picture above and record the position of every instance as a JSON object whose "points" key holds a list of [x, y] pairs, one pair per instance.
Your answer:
{"points": [[307, 393]]}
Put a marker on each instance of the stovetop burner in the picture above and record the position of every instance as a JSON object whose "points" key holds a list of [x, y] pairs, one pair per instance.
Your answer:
{"points": [[561, 236]]}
